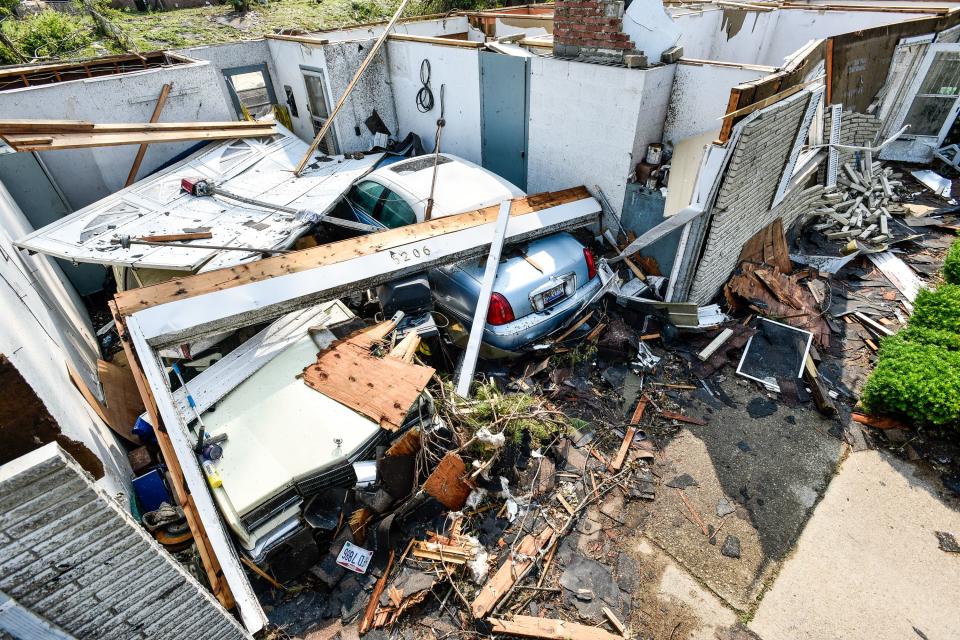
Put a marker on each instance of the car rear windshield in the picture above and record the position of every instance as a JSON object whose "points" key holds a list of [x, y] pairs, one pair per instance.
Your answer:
{"points": [[418, 164]]}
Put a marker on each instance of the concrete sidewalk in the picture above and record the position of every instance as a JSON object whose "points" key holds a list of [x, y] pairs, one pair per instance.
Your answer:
{"points": [[867, 565]]}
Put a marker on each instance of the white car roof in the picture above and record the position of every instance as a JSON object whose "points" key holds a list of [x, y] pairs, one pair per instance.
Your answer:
{"points": [[461, 185]]}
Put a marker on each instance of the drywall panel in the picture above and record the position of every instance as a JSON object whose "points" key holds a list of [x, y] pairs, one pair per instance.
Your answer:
{"points": [[45, 328], [699, 99], [684, 169], [456, 69], [583, 126], [87, 175]]}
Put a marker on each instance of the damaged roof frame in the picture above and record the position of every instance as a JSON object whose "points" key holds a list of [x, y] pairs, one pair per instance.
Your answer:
{"points": [[199, 305]]}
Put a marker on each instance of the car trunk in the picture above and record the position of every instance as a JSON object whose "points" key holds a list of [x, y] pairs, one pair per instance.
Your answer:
{"points": [[541, 268]]}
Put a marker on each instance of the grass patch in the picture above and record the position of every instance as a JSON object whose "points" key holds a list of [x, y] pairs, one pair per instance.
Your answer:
{"points": [[195, 26]]}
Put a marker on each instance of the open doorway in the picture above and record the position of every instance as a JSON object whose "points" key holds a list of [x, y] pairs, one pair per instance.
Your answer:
{"points": [[319, 107]]}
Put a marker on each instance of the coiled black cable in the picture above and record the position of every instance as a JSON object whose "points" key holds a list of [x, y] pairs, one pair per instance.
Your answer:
{"points": [[425, 94]]}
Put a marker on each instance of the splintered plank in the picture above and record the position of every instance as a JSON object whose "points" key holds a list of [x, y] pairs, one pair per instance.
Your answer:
{"points": [[382, 389], [94, 138], [679, 417], [447, 482], [508, 573], [548, 629], [617, 461]]}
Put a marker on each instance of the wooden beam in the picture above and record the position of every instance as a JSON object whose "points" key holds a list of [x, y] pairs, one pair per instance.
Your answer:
{"points": [[142, 151], [766, 102], [16, 126], [208, 558], [617, 461], [548, 629], [130, 302], [178, 237], [86, 140], [443, 42], [715, 344]]}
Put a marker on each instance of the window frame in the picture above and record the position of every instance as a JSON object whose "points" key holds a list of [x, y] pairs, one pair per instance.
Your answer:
{"points": [[914, 93], [239, 71]]}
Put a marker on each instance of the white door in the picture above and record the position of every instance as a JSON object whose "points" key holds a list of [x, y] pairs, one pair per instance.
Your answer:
{"points": [[319, 108], [935, 95]]}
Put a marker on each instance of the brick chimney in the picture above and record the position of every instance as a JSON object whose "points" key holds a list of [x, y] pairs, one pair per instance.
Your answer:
{"points": [[590, 29]]}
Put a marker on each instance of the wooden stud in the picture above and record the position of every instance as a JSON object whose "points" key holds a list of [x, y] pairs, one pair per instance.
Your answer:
{"points": [[142, 151]]}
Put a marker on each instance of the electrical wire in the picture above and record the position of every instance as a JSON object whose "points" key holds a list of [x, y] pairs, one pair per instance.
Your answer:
{"points": [[425, 94]]}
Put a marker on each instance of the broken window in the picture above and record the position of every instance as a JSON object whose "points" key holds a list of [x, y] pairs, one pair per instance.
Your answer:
{"points": [[937, 95], [251, 90]]}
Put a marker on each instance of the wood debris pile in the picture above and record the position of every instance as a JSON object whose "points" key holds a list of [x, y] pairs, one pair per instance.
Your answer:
{"points": [[860, 207]]}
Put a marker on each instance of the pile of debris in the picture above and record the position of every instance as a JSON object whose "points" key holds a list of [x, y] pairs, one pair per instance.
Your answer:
{"points": [[860, 206]]}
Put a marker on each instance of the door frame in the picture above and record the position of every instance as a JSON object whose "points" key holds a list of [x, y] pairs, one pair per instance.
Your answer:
{"points": [[328, 99]]}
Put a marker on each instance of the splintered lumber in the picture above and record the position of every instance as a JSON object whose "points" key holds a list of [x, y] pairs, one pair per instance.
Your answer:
{"points": [[509, 572], [876, 327], [715, 344], [95, 138], [617, 461], [679, 417], [14, 127], [399, 239], [820, 395], [448, 482], [638, 412], [367, 620], [614, 620], [548, 629], [142, 151], [382, 389]]}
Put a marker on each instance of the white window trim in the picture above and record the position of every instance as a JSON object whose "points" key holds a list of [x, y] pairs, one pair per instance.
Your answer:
{"points": [[911, 95], [816, 98]]}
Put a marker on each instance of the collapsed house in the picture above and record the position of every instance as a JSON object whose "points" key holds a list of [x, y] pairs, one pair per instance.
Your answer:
{"points": [[679, 136]]}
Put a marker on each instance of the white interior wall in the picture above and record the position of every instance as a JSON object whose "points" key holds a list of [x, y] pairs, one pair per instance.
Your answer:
{"points": [[439, 27], [236, 54], [654, 106], [44, 326], [87, 175], [767, 37], [456, 67], [288, 58], [583, 126], [699, 98]]}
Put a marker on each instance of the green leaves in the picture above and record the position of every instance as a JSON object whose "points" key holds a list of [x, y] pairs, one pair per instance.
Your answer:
{"points": [[951, 266]]}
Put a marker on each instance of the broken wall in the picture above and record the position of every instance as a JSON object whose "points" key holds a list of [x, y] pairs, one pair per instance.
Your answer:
{"points": [[336, 62], [236, 54], [88, 175], [457, 68], [45, 329], [744, 203], [583, 126], [448, 26], [767, 37], [76, 559]]}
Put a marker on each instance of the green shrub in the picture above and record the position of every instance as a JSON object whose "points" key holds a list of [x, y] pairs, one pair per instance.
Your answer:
{"points": [[51, 33], [8, 7], [951, 266], [937, 337], [939, 309], [919, 381]]}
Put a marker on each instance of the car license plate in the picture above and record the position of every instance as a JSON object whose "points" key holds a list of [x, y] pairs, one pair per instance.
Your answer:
{"points": [[553, 295], [354, 558]]}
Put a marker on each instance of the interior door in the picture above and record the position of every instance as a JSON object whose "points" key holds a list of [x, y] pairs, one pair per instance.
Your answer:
{"points": [[505, 107], [319, 108]]}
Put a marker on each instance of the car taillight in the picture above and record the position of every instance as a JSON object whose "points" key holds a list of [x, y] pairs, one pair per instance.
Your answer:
{"points": [[500, 311], [591, 264]]}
